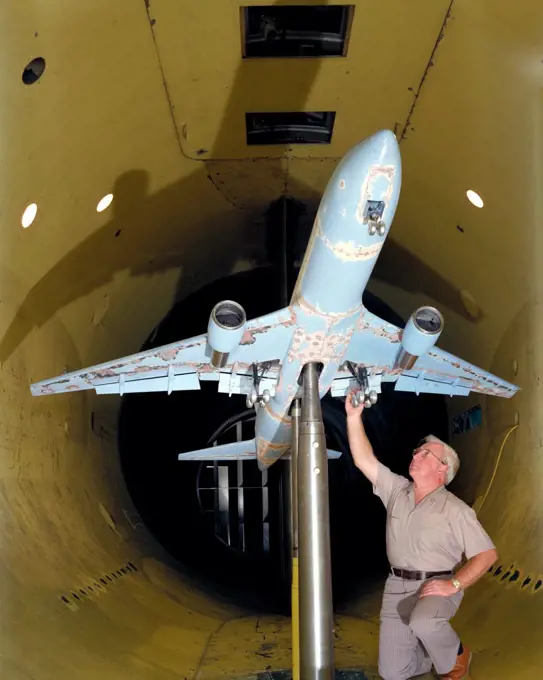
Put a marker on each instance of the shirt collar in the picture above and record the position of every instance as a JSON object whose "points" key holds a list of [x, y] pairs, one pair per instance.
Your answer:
{"points": [[430, 498]]}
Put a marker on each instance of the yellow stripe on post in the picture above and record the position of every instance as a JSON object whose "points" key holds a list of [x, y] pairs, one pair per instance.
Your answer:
{"points": [[295, 621]]}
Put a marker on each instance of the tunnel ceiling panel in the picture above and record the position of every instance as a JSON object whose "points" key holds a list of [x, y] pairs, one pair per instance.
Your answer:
{"points": [[211, 87], [477, 126]]}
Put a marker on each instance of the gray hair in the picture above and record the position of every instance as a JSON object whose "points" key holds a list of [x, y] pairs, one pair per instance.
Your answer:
{"points": [[453, 462]]}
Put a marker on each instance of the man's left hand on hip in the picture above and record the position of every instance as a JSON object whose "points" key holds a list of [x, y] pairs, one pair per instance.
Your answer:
{"points": [[438, 587]]}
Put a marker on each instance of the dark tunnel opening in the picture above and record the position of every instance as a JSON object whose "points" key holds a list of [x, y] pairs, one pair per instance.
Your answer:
{"points": [[193, 509]]}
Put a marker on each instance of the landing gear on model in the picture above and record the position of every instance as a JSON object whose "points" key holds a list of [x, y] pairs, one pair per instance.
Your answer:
{"points": [[254, 397], [377, 228], [369, 401], [361, 377]]}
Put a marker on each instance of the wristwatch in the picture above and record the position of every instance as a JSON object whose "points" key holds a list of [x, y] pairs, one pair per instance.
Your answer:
{"points": [[456, 583]]}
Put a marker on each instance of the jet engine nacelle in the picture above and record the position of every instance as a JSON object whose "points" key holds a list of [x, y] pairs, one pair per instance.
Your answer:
{"points": [[420, 334], [225, 330]]}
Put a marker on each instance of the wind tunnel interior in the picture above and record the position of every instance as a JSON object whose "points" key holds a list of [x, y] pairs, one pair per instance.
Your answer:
{"points": [[109, 566]]}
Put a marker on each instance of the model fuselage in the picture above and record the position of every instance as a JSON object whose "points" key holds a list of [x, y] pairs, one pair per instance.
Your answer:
{"points": [[327, 300]]}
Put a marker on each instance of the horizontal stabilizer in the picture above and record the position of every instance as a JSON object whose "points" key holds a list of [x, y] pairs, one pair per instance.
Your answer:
{"points": [[244, 450], [235, 451]]}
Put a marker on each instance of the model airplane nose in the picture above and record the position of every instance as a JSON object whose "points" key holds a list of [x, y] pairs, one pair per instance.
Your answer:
{"points": [[384, 137], [385, 141], [384, 146], [381, 148]]}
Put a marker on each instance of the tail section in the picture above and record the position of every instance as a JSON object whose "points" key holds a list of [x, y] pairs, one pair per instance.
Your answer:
{"points": [[244, 450]]}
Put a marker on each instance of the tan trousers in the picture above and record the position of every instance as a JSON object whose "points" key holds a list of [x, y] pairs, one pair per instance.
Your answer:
{"points": [[415, 633]]}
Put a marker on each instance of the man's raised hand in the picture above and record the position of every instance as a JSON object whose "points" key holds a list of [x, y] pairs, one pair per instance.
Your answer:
{"points": [[353, 411]]}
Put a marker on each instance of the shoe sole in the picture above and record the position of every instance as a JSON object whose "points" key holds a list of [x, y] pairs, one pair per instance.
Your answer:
{"points": [[466, 674]]}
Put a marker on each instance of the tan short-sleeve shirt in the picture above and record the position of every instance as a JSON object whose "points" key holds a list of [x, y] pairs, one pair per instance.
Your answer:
{"points": [[433, 535]]}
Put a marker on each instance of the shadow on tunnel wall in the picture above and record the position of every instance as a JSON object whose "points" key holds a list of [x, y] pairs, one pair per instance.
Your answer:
{"points": [[152, 233], [401, 268], [146, 234], [184, 226]]}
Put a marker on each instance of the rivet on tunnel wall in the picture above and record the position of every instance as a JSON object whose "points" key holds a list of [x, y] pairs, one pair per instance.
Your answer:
{"points": [[515, 367]]}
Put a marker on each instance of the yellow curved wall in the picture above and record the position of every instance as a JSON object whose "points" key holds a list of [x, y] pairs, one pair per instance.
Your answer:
{"points": [[135, 101]]}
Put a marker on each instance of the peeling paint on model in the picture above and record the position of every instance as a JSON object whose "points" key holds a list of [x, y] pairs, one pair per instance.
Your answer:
{"points": [[387, 171]]}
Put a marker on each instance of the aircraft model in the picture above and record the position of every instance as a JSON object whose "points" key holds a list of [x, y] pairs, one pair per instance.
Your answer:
{"points": [[324, 323]]}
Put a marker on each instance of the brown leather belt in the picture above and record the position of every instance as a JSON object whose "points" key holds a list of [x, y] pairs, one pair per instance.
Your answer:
{"points": [[417, 575]]}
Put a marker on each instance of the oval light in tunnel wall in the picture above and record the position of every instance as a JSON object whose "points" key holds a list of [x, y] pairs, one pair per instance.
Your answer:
{"points": [[104, 203], [473, 197], [29, 215]]}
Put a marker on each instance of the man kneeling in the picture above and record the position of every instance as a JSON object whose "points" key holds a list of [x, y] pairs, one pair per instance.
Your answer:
{"points": [[428, 530]]}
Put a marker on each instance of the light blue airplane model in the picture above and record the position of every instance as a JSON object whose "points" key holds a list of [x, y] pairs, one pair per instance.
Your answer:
{"points": [[325, 322]]}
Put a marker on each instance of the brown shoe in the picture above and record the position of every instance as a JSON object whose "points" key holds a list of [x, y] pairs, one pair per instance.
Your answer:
{"points": [[461, 667]]}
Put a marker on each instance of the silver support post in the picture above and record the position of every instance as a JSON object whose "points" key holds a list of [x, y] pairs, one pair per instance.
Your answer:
{"points": [[295, 581], [295, 413], [315, 572]]}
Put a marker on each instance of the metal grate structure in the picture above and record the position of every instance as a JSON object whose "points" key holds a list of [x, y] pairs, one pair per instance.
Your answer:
{"points": [[234, 496]]}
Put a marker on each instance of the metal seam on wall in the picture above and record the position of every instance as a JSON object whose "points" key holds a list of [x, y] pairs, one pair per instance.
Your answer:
{"points": [[430, 63]]}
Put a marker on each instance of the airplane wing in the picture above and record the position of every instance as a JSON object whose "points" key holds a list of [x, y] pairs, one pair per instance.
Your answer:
{"points": [[375, 346], [182, 365]]}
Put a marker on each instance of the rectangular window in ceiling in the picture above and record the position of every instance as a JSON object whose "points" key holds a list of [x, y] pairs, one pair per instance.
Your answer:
{"points": [[296, 30], [297, 127]]}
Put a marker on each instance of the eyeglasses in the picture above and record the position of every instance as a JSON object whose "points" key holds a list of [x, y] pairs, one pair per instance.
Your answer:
{"points": [[419, 449]]}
